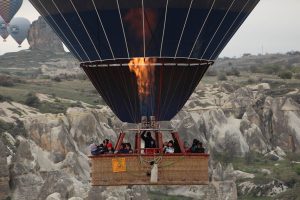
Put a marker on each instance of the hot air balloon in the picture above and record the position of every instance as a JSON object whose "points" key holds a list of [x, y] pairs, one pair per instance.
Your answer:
{"points": [[145, 58], [18, 29], [8, 9], [3, 29]]}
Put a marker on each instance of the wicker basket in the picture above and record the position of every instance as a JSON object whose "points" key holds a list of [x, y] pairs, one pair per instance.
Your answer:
{"points": [[134, 169]]}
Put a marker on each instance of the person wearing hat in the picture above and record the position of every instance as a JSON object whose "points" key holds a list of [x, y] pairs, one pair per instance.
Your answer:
{"points": [[110, 149]]}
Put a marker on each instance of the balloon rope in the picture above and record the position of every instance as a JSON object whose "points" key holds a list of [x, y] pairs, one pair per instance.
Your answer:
{"points": [[123, 79], [178, 82], [208, 14], [71, 30], [229, 29], [186, 18], [144, 39], [123, 28], [163, 34], [124, 104], [224, 36], [65, 37], [92, 75], [99, 18], [218, 28], [87, 32], [163, 110]]}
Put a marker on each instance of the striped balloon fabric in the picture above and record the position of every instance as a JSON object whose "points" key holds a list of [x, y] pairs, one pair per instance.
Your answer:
{"points": [[8, 9], [3, 29]]}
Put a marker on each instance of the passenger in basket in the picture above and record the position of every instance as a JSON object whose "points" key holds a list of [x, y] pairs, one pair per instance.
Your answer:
{"points": [[165, 146], [176, 146], [194, 146], [96, 149], [110, 149], [170, 148], [128, 147], [186, 147], [200, 148], [149, 141], [123, 149]]}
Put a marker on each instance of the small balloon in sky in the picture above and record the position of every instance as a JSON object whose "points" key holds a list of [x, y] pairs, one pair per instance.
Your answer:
{"points": [[18, 29], [3, 29]]}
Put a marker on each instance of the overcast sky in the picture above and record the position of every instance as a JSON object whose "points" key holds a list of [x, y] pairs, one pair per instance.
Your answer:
{"points": [[273, 26]]}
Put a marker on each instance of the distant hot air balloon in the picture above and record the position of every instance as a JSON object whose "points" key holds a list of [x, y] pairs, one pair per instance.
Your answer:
{"points": [[3, 29], [145, 57], [8, 9], [18, 29]]}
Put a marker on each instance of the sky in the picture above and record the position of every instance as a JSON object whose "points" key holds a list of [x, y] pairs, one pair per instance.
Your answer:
{"points": [[273, 27]]}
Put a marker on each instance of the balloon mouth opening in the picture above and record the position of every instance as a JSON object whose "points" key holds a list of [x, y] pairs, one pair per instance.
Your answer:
{"points": [[146, 86], [152, 61], [143, 68]]}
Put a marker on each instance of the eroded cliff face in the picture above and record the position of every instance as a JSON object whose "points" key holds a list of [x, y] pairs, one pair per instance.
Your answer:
{"points": [[46, 157], [42, 37], [4, 173]]}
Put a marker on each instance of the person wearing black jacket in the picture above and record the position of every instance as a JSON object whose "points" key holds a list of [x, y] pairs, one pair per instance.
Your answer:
{"points": [[149, 141]]}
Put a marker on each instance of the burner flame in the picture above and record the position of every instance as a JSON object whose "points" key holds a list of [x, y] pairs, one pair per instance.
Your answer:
{"points": [[143, 68]]}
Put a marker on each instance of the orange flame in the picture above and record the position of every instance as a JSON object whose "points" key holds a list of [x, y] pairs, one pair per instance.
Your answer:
{"points": [[143, 68]]}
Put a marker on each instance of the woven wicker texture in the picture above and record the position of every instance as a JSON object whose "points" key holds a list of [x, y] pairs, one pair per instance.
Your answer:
{"points": [[172, 170]]}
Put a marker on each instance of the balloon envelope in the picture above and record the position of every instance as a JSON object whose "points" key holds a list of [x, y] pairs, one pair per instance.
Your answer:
{"points": [[8, 9], [178, 40], [18, 29], [3, 29]]}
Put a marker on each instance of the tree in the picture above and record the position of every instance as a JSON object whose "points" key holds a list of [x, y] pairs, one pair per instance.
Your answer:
{"points": [[222, 76], [32, 101], [297, 76], [211, 72], [233, 72], [253, 69], [285, 74]]}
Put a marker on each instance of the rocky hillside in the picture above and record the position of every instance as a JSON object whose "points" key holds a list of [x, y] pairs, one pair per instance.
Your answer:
{"points": [[44, 156], [49, 113]]}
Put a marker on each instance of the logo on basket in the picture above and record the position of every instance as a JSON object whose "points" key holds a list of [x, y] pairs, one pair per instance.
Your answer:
{"points": [[119, 165]]}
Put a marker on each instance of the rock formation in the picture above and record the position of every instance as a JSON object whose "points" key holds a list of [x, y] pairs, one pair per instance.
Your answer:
{"points": [[42, 37], [4, 173]]}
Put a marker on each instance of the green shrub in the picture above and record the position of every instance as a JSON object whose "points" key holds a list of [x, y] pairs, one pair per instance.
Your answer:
{"points": [[55, 108], [233, 72], [297, 170], [222, 76], [211, 72], [6, 81], [285, 74], [57, 79], [32, 101], [5, 126], [5, 98], [297, 76], [253, 69], [15, 129]]}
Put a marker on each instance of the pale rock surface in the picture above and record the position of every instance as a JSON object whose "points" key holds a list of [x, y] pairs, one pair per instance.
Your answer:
{"points": [[242, 175], [270, 189], [54, 196], [42, 37]]}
